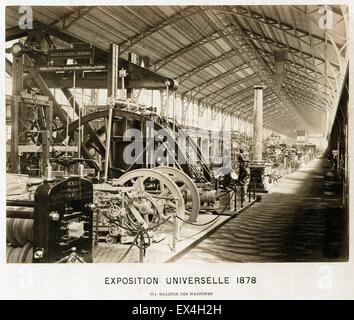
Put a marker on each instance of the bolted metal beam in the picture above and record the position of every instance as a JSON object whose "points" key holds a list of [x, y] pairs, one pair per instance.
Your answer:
{"points": [[183, 14], [233, 84], [82, 12], [186, 49], [185, 76], [207, 83]]}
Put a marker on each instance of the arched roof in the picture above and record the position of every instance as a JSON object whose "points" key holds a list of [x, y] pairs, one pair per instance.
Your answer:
{"points": [[217, 53]]}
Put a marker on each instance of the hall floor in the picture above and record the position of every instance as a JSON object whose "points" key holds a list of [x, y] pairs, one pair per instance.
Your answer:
{"points": [[300, 220]]}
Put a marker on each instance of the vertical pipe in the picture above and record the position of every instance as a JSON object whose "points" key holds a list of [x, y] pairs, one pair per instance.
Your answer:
{"points": [[81, 114], [108, 141], [96, 228], [161, 103], [174, 121], [258, 123], [151, 136], [16, 125], [112, 93], [167, 109], [174, 111], [124, 96], [47, 134], [175, 231], [73, 106], [133, 59]]}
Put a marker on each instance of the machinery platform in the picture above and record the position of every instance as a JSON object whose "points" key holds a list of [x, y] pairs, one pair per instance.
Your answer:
{"points": [[190, 236]]}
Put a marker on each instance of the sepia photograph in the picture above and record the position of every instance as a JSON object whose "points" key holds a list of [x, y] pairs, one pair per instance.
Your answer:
{"points": [[176, 134]]}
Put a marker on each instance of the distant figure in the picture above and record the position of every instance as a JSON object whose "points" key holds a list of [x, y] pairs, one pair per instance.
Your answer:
{"points": [[333, 158], [243, 165], [241, 157], [335, 162]]}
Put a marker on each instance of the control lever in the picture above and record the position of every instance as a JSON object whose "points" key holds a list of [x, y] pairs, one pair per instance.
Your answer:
{"points": [[34, 183]]}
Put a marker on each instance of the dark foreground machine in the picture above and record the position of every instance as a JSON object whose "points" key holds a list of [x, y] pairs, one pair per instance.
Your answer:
{"points": [[53, 226]]}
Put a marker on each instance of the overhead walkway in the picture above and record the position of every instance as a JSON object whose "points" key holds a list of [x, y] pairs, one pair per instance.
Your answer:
{"points": [[300, 220]]}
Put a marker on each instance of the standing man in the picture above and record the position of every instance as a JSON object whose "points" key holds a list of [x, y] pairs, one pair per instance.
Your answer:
{"points": [[242, 169]]}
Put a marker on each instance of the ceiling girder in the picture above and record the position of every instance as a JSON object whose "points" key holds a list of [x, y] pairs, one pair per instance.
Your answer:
{"points": [[242, 33], [207, 83], [273, 23], [183, 14], [282, 46], [234, 10], [258, 65], [70, 18], [232, 84], [242, 105], [202, 41], [182, 78]]}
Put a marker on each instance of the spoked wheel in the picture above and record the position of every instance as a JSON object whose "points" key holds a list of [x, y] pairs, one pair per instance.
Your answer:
{"points": [[187, 188], [110, 239], [150, 186], [150, 211], [95, 126], [141, 210], [114, 230], [95, 141]]}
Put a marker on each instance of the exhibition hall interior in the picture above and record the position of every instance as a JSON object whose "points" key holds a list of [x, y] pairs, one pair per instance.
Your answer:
{"points": [[174, 134]]}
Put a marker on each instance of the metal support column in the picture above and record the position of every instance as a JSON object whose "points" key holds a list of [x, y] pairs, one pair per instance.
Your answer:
{"points": [[16, 112], [258, 123], [257, 165], [133, 59], [47, 137], [112, 86]]}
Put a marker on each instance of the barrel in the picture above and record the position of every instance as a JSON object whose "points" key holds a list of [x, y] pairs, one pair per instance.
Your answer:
{"points": [[19, 231], [19, 254]]}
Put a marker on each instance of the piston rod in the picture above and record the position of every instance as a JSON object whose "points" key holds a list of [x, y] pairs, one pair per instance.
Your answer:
{"points": [[19, 212]]}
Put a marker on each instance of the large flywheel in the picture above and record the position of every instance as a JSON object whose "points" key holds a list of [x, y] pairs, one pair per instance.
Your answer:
{"points": [[188, 189], [95, 139], [161, 189]]}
